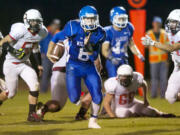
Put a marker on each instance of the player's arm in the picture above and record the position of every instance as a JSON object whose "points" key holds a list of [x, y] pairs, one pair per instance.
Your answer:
{"points": [[98, 64], [37, 57], [105, 49], [147, 41], [107, 104], [145, 88], [135, 50], [167, 47], [6, 39]]}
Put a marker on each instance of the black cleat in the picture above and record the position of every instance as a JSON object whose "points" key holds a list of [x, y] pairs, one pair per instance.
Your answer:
{"points": [[33, 117]]}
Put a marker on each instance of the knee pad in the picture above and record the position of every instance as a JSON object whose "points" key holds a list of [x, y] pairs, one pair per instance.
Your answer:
{"points": [[34, 93]]}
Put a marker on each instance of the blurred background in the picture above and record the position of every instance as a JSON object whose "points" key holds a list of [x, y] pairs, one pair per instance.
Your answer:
{"points": [[12, 11]]}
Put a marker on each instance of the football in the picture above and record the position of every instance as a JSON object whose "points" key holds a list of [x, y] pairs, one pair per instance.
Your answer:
{"points": [[57, 51]]}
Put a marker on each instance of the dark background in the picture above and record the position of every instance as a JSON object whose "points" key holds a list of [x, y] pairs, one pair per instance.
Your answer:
{"points": [[11, 11]]}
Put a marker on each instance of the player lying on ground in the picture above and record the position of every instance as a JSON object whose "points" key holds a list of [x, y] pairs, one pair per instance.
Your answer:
{"points": [[85, 36], [119, 100], [172, 27], [22, 40]]}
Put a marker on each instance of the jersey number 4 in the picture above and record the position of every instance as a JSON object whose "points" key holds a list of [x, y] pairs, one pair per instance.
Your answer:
{"points": [[126, 98]]}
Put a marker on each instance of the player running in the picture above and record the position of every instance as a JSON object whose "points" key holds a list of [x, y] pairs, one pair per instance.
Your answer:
{"points": [[23, 39], [118, 39], [120, 91], [85, 37], [172, 27]]}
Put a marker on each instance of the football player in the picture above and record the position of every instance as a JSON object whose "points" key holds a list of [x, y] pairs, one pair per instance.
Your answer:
{"points": [[172, 27], [118, 39], [85, 36], [119, 100], [22, 40]]}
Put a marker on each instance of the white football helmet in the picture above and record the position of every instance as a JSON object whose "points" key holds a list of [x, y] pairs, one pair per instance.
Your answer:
{"points": [[173, 21], [124, 75], [33, 20]]}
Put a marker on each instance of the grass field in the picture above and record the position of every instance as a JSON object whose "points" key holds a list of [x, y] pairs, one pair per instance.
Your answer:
{"points": [[14, 114]]}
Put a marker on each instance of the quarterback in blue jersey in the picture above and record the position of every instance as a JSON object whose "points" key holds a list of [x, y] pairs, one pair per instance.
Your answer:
{"points": [[118, 38], [85, 37]]}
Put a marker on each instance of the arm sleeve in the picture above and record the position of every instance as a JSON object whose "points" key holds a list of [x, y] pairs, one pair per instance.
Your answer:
{"points": [[68, 31], [110, 86], [131, 29], [17, 31]]}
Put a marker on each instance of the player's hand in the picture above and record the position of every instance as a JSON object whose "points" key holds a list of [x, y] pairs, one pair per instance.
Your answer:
{"points": [[141, 57], [146, 103], [40, 68], [113, 60], [147, 41]]}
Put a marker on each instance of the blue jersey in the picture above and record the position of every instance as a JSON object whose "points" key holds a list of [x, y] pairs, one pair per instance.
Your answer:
{"points": [[76, 35], [119, 40]]}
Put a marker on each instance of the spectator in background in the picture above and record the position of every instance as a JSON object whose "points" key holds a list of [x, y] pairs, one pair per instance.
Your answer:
{"points": [[53, 28], [158, 59]]}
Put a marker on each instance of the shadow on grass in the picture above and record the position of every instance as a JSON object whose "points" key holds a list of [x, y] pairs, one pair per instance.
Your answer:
{"points": [[37, 132], [45, 122], [148, 132]]}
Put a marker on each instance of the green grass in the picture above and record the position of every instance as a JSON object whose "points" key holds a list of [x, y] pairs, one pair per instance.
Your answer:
{"points": [[13, 121]]}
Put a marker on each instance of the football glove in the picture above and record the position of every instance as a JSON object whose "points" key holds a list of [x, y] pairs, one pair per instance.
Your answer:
{"points": [[147, 41]]}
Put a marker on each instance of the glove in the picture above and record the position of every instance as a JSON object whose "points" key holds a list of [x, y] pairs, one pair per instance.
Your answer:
{"points": [[147, 41], [1, 36], [113, 60], [20, 53], [141, 57]]}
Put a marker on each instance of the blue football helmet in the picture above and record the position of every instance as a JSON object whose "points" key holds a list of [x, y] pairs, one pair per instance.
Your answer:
{"points": [[89, 18], [119, 17]]}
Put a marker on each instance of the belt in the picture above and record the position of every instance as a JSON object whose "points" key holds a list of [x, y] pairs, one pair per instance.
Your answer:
{"points": [[16, 63], [61, 69]]}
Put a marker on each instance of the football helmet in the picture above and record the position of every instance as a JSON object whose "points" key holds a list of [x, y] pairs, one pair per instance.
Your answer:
{"points": [[89, 18], [119, 17], [173, 22], [33, 20], [125, 75]]}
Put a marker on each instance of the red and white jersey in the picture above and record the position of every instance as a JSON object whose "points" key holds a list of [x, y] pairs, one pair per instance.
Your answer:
{"points": [[175, 39], [62, 61], [24, 39], [124, 96]]}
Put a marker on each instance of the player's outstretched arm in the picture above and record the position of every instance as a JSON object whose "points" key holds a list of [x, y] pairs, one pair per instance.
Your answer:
{"points": [[145, 88], [107, 105], [135, 50], [147, 41]]}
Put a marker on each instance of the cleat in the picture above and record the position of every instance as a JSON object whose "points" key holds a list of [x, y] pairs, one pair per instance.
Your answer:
{"points": [[40, 108], [33, 117], [93, 123]]}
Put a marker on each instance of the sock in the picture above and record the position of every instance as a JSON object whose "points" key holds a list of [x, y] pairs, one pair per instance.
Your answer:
{"points": [[95, 110], [82, 111], [32, 108]]}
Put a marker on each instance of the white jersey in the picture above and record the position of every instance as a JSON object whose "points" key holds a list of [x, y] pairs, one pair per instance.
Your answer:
{"points": [[62, 61], [175, 54], [24, 39], [124, 96]]}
